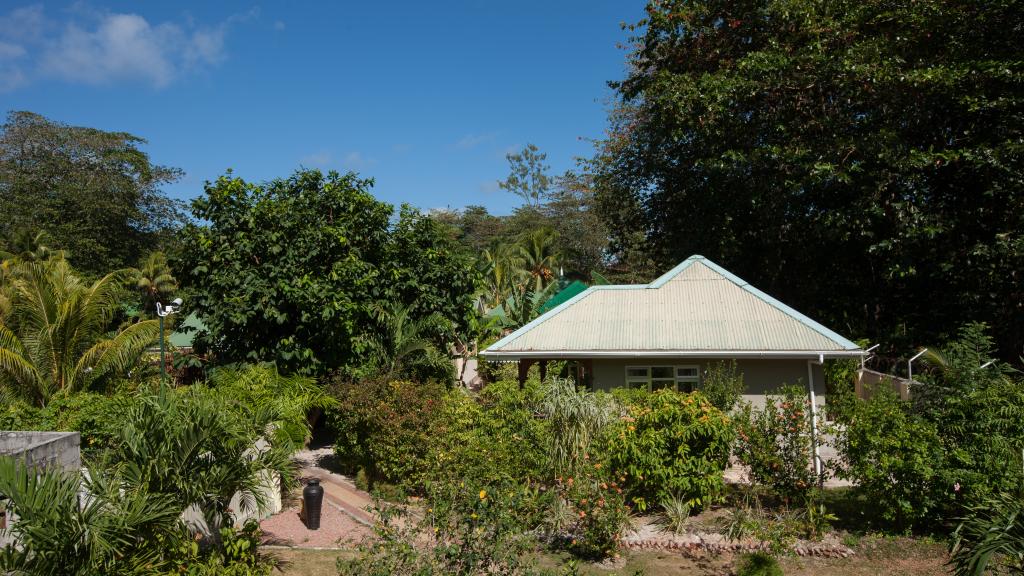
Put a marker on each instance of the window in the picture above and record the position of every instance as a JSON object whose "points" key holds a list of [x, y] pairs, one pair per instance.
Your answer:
{"points": [[682, 378]]}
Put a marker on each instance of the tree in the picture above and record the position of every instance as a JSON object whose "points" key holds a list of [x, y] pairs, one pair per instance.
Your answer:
{"points": [[54, 338], [528, 177], [290, 271], [539, 257], [96, 194], [402, 344], [154, 281], [859, 160]]}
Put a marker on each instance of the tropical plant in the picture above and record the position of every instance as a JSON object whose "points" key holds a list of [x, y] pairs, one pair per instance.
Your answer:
{"points": [[403, 343], [540, 259], [675, 513], [576, 417], [196, 448], [670, 445], [284, 402], [55, 339], [523, 304], [116, 530], [990, 538], [30, 247], [501, 269], [154, 281]]}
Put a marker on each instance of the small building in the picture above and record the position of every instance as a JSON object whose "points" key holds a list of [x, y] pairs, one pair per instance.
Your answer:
{"points": [[665, 335]]}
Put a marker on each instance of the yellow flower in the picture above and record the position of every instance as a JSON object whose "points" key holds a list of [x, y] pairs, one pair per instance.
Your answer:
{"points": [[473, 516], [483, 494]]}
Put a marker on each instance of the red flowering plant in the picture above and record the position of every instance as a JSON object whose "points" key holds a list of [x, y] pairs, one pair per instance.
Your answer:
{"points": [[597, 509], [775, 442]]}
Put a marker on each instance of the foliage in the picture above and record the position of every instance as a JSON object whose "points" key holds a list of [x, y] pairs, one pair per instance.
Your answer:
{"points": [[493, 438], [722, 385], [670, 445], [470, 530], [55, 338], [523, 304], [596, 504], [528, 177], [758, 564], [194, 447], [402, 346], [871, 146], [57, 532], [893, 457], [283, 401], [990, 538], [576, 417], [840, 376], [675, 513], [290, 271], [154, 281], [775, 442], [236, 555], [385, 427], [96, 194]]}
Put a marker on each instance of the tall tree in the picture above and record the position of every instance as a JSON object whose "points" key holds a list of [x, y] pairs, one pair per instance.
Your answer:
{"points": [[96, 194], [528, 176], [154, 281], [290, 271], [860, 160]]}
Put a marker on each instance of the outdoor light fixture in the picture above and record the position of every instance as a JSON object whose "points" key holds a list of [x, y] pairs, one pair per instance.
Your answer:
{"points": [[910, 365], [164, 311]]}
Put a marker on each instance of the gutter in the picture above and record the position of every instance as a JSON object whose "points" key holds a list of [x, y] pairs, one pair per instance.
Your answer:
{"points": [[568, 354]]}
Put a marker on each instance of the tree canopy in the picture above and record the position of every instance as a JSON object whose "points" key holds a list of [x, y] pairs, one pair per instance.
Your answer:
{"points": [[860, 160], [290, 271], [96, 194]]}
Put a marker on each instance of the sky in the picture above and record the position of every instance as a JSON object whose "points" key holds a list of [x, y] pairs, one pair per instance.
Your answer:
{"points": [[426, 98]]}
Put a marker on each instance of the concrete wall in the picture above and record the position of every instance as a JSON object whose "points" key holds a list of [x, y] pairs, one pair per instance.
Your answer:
{"points": [[43, 449], [761, 376]]}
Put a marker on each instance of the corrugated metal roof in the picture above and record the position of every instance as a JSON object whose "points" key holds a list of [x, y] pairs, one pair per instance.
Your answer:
{"points": [[697, 306]]}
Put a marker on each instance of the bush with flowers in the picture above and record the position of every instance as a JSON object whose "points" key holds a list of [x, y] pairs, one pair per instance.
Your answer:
{"points": [[774, 442], [670, 445]]}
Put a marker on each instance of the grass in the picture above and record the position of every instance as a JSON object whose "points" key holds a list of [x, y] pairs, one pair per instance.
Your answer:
{"points": [[875, 555]]}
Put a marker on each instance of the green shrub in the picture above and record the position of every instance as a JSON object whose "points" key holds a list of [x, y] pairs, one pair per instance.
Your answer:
{"points": [[96, 416], [597, 513], [775, 443], [669, 445], [21, 416], [385, 427], [576, 416], [470, 530], [234, 553], [893, 458], [758, 564], [723, 385]]}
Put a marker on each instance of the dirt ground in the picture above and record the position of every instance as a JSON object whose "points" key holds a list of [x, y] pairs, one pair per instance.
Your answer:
{"points": [[875, 556]]}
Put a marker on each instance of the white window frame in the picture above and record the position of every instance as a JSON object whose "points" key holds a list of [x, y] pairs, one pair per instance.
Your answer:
{"points": [[646, 380]]}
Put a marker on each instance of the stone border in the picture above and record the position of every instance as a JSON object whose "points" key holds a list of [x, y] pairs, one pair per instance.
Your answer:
{"points": [[717, 543]]}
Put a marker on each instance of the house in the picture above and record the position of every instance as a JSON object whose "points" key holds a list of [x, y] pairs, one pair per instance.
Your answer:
{"points": [[665, 335]]}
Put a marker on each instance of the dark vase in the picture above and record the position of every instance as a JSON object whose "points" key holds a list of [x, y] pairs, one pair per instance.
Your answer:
{"points": [[312, 500]]}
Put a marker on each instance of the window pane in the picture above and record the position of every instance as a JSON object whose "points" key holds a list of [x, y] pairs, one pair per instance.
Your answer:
{"points": [[661, 372], [687, 372], [660, 384], [633, 372]]}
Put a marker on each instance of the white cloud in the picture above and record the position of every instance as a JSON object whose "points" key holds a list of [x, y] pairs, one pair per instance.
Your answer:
{"points": [[355, 160], [317, 159], [279, 25], [93, 47], [470, 141]]}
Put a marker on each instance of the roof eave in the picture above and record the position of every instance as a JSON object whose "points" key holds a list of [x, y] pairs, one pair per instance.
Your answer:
{"points": [[612, 354]]}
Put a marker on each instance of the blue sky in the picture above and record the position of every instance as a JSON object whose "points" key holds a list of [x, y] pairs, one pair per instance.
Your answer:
{"points": [[426, 98]]}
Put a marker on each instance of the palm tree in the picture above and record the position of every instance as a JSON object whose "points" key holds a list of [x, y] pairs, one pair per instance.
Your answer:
{"points": [[524, 304], [154, 280], [539, 256], [30, 247], [401, 340], [54, 338], [501, 266], [116, 530]]}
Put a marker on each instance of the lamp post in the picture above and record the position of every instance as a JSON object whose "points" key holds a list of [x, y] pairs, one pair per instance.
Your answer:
{"points": [[164, 311]]}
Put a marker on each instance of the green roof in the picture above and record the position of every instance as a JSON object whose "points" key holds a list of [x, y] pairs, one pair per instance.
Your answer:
{"points": [[186, 332], [563, 295]]}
